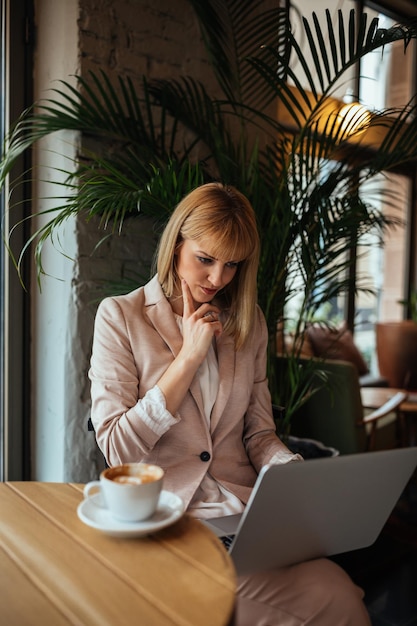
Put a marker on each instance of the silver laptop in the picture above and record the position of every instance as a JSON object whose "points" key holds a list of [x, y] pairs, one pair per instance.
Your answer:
{"points": [[320, 507]]}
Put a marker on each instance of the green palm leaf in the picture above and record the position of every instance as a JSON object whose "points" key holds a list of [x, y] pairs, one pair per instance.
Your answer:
{"points": [[143, 149], [232, 31]]}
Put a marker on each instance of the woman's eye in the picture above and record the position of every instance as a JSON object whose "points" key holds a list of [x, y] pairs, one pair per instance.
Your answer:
{"points": [[204, 260], [207, 261]]}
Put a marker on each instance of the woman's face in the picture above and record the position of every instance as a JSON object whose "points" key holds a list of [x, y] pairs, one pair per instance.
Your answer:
{"points": [[204, 274]]}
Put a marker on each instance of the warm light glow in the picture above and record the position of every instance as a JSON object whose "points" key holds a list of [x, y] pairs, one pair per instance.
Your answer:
{"points": [[354, 118]]}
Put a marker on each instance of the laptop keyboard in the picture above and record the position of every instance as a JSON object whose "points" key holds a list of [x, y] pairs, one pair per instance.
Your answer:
{"points": [[227, 540]]}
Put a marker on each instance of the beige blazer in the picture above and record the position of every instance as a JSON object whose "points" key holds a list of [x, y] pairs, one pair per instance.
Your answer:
{"points": [[136, 337]]}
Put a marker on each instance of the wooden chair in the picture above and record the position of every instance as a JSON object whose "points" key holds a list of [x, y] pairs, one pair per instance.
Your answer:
{"points": [[334, 414], [101, 461]]}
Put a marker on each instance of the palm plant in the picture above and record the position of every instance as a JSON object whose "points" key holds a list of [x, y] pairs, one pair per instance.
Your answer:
{"points": [[143, 149]]}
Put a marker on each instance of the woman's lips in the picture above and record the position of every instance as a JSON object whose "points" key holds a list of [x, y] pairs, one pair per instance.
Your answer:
{"points": [[209, 292]]}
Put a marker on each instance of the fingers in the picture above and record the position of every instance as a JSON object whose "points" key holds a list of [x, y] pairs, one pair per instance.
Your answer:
{"points": [[212, 318], [188, 308], [208, 313]]}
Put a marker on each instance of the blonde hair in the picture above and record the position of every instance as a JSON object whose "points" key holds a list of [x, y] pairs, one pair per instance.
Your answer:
{"points": [[225, 215]]}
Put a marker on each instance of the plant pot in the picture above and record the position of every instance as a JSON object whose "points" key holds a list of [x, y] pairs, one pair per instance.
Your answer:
{"points": [[310, 448]]}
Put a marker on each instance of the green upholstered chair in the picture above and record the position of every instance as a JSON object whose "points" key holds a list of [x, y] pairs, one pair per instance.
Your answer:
{"points": [[334, 414]]}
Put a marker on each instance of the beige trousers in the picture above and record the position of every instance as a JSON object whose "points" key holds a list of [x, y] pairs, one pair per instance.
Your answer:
{"points": [[315, 593]]}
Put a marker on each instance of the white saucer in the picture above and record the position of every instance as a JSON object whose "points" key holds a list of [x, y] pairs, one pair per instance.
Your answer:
{"points": [[170, 509]]}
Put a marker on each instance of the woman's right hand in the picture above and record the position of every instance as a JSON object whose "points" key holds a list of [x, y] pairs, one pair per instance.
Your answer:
{"points": [[198, 329], [199, 326]]}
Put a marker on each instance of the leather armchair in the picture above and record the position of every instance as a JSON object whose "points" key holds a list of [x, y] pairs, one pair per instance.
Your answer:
{"points": [[334, 414]]}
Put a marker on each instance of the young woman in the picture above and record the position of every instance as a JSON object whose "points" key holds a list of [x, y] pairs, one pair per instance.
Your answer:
{"points": [[178, 378]]}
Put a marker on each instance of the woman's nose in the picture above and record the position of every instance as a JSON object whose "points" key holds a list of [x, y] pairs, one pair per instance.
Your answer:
{"points": [[215, 276]]}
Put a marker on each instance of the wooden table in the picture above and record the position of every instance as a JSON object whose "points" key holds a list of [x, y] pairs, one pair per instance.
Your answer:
{"points": [[55, 570], [374, 397]]}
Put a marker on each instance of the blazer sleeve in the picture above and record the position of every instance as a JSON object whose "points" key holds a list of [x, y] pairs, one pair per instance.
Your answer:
{"points": [[126, 426], [262, 444]]}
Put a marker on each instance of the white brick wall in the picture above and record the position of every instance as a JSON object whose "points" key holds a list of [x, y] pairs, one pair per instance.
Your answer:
{"points": [[158, 38]]}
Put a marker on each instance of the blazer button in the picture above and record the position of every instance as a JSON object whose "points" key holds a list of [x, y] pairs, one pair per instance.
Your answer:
{"points": [[205, 456]]}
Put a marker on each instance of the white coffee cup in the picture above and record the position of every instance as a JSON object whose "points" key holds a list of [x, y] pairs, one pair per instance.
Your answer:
{"points": [[130, 491]]}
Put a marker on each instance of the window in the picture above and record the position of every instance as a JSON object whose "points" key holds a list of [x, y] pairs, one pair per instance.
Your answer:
{"points": [[2, 257], [387, 81], [383, 81], [15, 63]]}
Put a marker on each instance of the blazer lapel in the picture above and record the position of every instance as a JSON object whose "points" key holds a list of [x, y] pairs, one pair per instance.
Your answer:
{"points": [[226, 357], [161, 316]]}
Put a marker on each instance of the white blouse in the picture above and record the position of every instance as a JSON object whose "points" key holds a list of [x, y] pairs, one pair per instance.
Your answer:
{"points": [[211, 496]]}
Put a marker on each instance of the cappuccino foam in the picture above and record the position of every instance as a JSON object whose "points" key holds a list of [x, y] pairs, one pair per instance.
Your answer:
{"points": [[134, 480]]}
